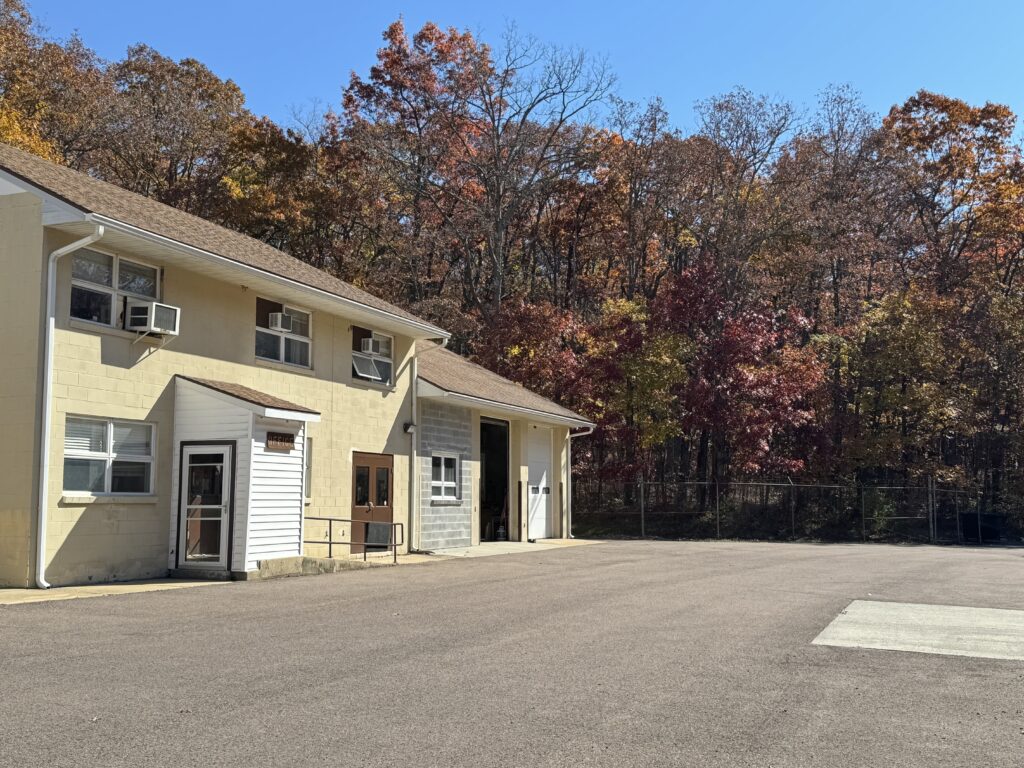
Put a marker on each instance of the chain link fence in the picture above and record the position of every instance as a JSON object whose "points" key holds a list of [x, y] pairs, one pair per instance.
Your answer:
{"points": [[789, 511]]}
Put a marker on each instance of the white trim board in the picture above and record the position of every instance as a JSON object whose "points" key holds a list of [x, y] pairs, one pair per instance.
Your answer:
{"points": [[420, 328], [259, 410], [430, 391], [948, 630]]}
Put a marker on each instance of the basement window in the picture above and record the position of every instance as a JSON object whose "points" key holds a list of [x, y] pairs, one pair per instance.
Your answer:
{"points": [[444, 477], [108, 457]]}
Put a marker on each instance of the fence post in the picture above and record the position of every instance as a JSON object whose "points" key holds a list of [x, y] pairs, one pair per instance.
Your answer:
{"points": [[643, 528], [792, 509], [931, 509], [863, 517], [981, 498], [956, 503], [718, 514]]}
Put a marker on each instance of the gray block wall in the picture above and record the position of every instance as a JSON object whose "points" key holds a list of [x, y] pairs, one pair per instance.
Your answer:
{"points": [[446, 428]]}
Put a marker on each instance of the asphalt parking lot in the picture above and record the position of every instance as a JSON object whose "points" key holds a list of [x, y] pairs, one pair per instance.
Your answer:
{"points": [[620, 654]]}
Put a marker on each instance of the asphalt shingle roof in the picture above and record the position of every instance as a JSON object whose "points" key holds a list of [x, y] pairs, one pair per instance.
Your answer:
{"points": [[249, 395], [454, 373], [94, 196]]}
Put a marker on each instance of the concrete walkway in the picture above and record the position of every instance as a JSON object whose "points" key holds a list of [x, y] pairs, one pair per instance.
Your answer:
{"points": [[485, 549], [23, 596], [491, 548]]}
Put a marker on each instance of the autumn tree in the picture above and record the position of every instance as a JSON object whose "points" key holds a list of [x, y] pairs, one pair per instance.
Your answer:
{"points": [[172, 122], [829, 295], [475, 135]]}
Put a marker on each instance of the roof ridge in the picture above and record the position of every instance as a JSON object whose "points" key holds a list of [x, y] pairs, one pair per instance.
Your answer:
{"points": [[106, 199]]}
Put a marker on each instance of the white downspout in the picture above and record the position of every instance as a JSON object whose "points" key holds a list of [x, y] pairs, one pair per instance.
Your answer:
{"points": [[414, 468], [47, 406], [568, 479]]}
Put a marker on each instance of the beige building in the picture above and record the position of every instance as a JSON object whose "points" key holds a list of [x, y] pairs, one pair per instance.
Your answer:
{"points": [[185, 399]]}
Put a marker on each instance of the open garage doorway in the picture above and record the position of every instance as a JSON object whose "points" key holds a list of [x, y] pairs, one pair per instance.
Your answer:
{"points": [[494, 476]]}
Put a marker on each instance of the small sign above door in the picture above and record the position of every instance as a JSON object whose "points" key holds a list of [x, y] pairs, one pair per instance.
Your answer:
{"points": [[280, 441]]}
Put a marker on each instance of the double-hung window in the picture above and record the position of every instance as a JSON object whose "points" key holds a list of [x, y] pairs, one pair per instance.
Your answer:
{"points": [[372, 356], [444, 477], [283, 334], [108, 457], [101, 285]]}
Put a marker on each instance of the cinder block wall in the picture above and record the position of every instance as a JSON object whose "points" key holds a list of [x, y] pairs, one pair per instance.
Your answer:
{"points": [[447, 428], [102, 373], [21, 300]]}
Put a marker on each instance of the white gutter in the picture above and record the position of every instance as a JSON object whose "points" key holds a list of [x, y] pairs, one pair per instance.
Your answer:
{"points": [[434, 391], [47, 406], [145, 234], [568, 477]]}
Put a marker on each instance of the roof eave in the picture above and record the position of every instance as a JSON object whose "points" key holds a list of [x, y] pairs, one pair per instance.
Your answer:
{"points": [[285, 415], [56, 209], [421, 328], [263, 411], [429, 390]]}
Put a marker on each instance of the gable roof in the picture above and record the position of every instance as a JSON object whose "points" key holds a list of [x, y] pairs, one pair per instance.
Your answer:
{"points": [[259, 403], [92, 196], [457, 375], [249, 395]]}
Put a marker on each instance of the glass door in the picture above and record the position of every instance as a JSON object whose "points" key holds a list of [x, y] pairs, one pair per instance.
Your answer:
{"points": [[372, 512], [205, 525]]}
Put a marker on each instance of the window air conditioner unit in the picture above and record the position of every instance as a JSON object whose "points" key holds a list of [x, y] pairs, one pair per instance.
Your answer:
{"points": [[152, 317], [279, 321], [371, 346]]}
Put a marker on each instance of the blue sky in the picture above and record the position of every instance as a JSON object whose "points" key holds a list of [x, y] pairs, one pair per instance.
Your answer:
{"points": [[682, 51]]}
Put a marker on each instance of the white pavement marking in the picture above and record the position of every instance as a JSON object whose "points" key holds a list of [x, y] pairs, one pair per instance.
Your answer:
{"points": [[950, 630]]}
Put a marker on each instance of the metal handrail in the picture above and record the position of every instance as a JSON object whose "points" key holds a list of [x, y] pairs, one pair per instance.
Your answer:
{"points": [[393, 541]]}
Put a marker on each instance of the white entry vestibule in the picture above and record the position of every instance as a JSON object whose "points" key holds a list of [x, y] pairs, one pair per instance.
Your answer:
{"points": [[239, 470]]}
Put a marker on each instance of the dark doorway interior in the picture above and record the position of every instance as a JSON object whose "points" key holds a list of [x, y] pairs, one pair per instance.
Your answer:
{"points": [[493, 480]]}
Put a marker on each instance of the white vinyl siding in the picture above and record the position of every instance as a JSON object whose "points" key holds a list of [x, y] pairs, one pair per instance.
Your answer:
{"points": [[276, 499], [307, 479], [268, 501], [198, 416]]}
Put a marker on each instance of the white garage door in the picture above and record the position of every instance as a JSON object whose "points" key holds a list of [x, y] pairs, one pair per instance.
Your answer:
{"points": [[539, 489]]}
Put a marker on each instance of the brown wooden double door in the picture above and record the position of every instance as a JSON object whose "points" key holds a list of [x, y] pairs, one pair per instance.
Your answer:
{"points": [[372, 501]]}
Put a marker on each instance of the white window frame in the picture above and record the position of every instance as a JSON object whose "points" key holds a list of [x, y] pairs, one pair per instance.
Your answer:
{"points": [[117, 296], [307, 477], [372, 357], [282, 335], [438, 490], [110, 457]]}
